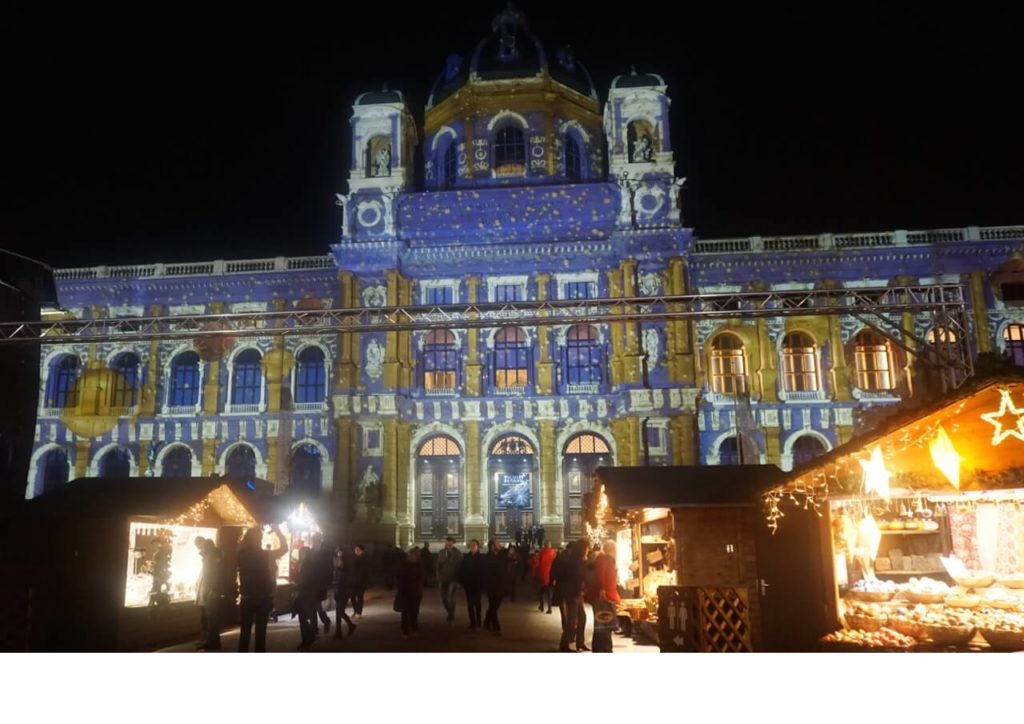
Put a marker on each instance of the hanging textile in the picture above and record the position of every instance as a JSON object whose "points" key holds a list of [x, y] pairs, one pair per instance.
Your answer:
{"points": [[963, 528]]}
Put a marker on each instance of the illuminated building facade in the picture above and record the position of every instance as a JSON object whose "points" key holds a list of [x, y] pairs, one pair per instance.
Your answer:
{"points": [[533, 191]]}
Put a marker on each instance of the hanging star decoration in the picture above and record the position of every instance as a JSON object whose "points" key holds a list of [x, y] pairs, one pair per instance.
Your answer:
{"points": [[1016, 429], [876, 477]]}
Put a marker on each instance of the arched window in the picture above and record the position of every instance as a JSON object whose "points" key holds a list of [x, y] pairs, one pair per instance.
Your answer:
{"points": [[738, 450], [511, 359], [247, 378], [510, 152], [583, 359], [573, 159], [310, 376], [241, 463], [184, 381], [55, 469], [1013, 336], [61, 391], [728, 365], [440, 361], [799, 363], [583, 454], [806, 448], [116, 464], [306, 470], [438, 488], [177, 463], [450, 166], [125, 390], [873, 362]]}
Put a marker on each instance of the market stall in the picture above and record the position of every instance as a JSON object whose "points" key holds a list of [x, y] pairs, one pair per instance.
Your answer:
{"points": [[926, 526], [689, 535], [114, 562]]}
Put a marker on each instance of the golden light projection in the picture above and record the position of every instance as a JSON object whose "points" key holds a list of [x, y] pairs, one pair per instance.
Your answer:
{"points": [[945, 456], [1015, 428], [224, 503], [876, 477], [869, 538]]}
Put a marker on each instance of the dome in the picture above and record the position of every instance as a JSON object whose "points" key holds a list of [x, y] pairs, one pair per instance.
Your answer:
{"points": [[511, 51], [634, 80], [381, 96]]}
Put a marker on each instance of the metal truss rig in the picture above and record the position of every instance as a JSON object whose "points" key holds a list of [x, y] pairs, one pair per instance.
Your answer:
{"points": [[884, 309]]}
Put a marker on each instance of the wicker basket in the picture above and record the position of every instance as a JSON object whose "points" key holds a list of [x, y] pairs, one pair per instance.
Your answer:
{"points": [[1012, 582], [1004, 640], [949, 635], [873, 596], [865, 623], [918, 597], [908, 628], [963, 601], [974, 581], [1004, 604]]}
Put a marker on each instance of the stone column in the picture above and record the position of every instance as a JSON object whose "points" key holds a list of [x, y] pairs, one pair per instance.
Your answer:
{"points": [[632, 354], [473, 365], [389, 518], [211, 384], [209, 457], [773, 445], [475, 484], [545, 367], [616, 330], [346, 374], [550, 517], [82, 457], [767, 372], [680, 349], [406, 524], [276, 366], [148, 394], [982, 331], [839, 371], [342, 493], [685, 450]]}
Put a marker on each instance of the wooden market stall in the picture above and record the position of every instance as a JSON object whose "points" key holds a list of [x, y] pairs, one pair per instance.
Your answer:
{"points": [[699, 562], [926, 525], [113, 563]]}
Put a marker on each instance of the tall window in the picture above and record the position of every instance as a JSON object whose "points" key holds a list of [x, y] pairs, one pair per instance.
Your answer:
{"points": [[508, 293], [55, 469], [241, 463], [115, 464], [440, 361], [511, 358], [573, 161], [799, 363], [578, 290], [439, 296], [582, 455], [60, 386], [247, 378], [306, 470], [728, 365], [310, 376], [806, 448], [510, 151], [450, 167], [126, 380], [184, 389], [438, 488], [738, 450], [873, 362], [177, 463], [582, 355], [1013, 336]]}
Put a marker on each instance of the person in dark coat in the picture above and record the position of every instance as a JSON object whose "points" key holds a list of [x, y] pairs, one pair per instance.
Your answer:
{"points": [[472, 574], [391, 560], [569, 587], [448, 560], [323, 561], [411, 577], [357, 577], [427, 561], [307, 588], [256, 583], [496, 582], [342, 592], [211, 594]]}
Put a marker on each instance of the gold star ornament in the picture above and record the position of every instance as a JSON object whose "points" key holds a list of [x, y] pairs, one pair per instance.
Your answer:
{"points": [[1014, 427]]}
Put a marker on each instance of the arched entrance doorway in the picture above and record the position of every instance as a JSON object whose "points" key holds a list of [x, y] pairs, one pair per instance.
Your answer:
{"points": [[582, 455], [438, 488], [510, 467]]}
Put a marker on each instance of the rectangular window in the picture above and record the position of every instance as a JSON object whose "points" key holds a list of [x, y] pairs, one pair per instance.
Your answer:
{"points": [[578, 290], [439, 296], [654, 437], [508, 293], [1013, 292]]}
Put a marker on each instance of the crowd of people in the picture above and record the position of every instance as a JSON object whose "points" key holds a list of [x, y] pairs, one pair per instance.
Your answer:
{"points": [[566, 578]]}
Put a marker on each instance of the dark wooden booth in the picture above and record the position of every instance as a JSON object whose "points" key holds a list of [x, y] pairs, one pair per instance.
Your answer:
{"points": [[739, 587]]}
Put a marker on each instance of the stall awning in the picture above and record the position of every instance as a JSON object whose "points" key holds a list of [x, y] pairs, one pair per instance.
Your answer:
{"points": [[687, 485]]}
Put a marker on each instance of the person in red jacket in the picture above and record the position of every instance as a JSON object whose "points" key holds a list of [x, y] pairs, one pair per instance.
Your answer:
{"points": [[545, 557], [605, 588]]}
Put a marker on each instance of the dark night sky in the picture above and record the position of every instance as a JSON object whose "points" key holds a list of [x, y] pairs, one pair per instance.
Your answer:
{"points": [[190, 136]]}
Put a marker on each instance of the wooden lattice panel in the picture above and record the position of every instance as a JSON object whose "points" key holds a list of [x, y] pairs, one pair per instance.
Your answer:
{"points": [[725, 620]]}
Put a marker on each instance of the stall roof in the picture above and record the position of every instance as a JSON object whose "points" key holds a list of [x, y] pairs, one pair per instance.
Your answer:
{"points": [[131, 496], [687, 485]]}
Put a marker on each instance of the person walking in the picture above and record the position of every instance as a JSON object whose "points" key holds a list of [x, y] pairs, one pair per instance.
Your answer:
{"points": [[448, 561], [603, 590], [307, 589], [472, 575], [545, 559], [323, 561], [410, 581], [496, 583], [256, 583], [211, 594], [358, 578], [342, 592], [391, 559], [569, 583]]}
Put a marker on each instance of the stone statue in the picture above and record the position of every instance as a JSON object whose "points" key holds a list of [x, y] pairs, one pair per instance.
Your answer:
{"points": [[383, 167], [368, 485], [651, 343], [642, 150], [374, 360]]}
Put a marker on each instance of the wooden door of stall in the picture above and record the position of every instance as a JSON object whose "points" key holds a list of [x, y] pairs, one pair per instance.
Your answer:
{"points": [[794, 580]]}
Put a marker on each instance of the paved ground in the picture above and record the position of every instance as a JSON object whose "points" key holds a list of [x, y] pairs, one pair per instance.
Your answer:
{"points": [[524, 629]]}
